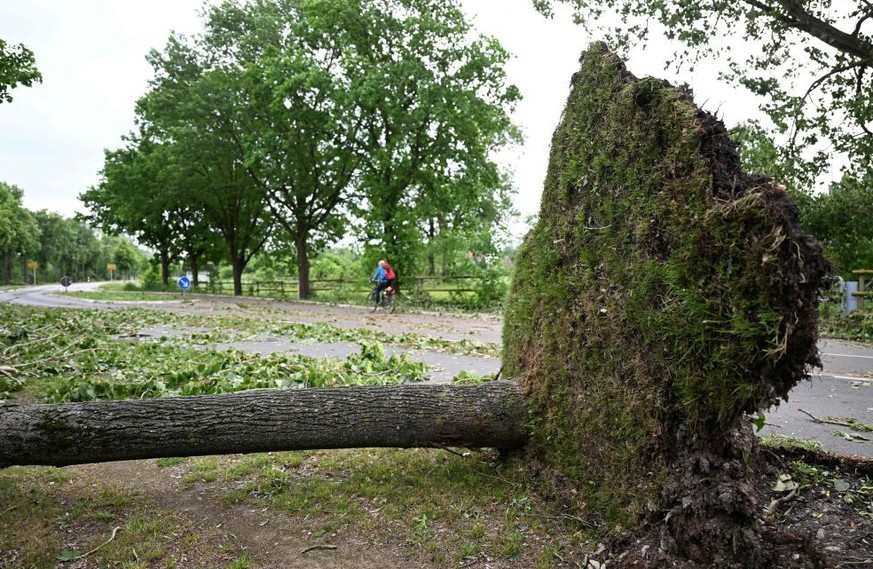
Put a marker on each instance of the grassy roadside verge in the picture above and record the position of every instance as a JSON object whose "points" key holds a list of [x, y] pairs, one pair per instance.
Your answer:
{"points": [[439, 508]]}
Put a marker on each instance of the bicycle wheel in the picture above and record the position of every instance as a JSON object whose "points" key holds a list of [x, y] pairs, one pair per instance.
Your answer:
{"points": [[371, 301], [391, 303]]}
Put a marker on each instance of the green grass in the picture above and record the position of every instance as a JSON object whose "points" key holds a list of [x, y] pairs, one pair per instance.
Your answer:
{"points": [[449, 507], [50, 514], [443, 506], [124, 296], [785, 441]]}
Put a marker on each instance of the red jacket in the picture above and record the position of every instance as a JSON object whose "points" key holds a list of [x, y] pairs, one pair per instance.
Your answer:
{"points": [[389, 272]]}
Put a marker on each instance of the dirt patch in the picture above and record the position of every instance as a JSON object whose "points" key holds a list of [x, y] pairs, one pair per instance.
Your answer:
{"points": [[829, 511], [813, 510], [271, 539]]}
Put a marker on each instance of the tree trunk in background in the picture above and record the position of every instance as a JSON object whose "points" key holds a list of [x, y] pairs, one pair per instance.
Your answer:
{"points": [[237, 268], [195, 270], [7, 269], [165, 268], [431, 256], [303, 288], [407, 416]]}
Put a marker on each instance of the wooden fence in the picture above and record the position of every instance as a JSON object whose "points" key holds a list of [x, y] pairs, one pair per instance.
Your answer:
{"points": [[862, 293], [288, 288]]}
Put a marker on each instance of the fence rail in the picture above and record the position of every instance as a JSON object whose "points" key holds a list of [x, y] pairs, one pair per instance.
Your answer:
{"points": [[862, 293], [289, 288]]}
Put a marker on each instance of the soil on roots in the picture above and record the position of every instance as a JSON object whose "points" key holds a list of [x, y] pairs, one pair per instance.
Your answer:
{"points": [[790, 508]]}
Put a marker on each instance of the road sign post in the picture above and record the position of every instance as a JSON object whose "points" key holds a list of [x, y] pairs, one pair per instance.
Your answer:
{"points": [[33, 265], [66, 282], [184, 284], [111, 268]]}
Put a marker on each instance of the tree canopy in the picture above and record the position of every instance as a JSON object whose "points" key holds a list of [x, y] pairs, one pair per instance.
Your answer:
{"points": [[17, 67], [812, 62], [329, 118], [841, 220], [60, 246]]}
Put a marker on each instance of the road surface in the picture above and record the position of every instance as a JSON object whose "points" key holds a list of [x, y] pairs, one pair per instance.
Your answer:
{"points": [[840, 392]]}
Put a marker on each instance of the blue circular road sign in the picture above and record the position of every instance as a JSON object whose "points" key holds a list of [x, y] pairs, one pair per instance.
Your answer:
{"points": [[184, 283]]}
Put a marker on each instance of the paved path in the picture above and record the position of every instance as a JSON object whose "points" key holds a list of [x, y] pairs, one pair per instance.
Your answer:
{"points": [[842, 390]]}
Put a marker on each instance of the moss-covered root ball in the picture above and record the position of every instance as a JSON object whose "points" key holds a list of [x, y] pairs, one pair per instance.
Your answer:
{"points": [[662, 295]]}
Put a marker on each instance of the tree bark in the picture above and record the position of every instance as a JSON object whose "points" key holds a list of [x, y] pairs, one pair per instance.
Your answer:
{"points": [[431, 256], [7, 269], [237, 266], [165, 268], [303, 287], [490, 415], [195, 269]]}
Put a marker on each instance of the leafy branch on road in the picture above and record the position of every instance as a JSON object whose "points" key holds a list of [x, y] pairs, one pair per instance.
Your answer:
{"points": [[849, 422], [67, 355]]}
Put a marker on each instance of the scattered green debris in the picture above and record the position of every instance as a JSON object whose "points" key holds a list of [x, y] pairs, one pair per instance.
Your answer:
{"points": [[775, 440], [471, 378], [59, 355]]}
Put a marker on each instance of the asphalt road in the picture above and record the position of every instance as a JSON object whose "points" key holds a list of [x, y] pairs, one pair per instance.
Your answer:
{"points": [[840, 392]]}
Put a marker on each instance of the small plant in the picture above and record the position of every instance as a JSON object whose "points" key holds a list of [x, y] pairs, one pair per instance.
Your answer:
{"points": [[785, 441], [465, 377], [242, 563]]}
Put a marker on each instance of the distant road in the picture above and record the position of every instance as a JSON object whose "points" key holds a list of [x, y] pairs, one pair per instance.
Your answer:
{"points": [[46, 295], [843, 389]]}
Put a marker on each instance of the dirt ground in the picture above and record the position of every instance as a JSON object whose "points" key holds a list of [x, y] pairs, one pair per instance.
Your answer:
{"points": [[827, 521], [272, 539]]}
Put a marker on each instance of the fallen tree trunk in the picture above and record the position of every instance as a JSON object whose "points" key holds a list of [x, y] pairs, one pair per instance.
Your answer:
{"points": [[489, 415]]}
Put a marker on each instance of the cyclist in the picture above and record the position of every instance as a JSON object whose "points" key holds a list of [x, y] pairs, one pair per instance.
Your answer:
{"points": [[383, 277]]}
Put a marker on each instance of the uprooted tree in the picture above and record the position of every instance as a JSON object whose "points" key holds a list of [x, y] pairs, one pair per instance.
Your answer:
{"points": [[663, 296]]}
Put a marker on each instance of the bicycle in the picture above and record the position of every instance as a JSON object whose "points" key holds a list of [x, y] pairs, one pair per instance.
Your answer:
{"points": [[388, 302]]}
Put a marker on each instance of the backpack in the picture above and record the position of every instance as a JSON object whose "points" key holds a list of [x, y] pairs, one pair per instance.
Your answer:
{"points": [[389, 272]]}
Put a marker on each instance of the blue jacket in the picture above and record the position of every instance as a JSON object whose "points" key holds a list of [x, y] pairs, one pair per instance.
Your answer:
{"points": [[379, 275]]}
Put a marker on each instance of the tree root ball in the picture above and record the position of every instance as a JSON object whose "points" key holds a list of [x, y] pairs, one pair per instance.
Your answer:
{"points": [[662, 296]]}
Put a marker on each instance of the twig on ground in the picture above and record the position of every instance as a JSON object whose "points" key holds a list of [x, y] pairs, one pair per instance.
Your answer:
{"points": [[319, 546], [771, 508], [447, 449], [831, 421], [114, 531], [20, 345], [811, 416], [9, 509], [60, 356]]}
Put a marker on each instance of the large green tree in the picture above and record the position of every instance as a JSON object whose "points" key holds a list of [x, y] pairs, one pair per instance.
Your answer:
{"points": [[67, 247], [17, 67], [811, 62], [197, 110], [19, 234], [436, 106], [387, 110], [132, 199], [840, 219], [299, 110]]}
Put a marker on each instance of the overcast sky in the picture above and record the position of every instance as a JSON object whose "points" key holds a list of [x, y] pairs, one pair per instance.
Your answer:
{"points": [[92, 57]]}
